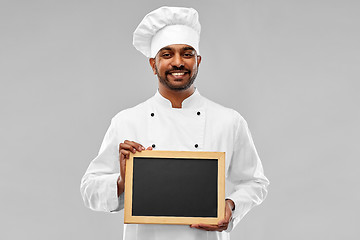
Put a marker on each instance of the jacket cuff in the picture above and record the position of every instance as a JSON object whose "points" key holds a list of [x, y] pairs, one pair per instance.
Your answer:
{"points": [[113, 201], [233, 217]]}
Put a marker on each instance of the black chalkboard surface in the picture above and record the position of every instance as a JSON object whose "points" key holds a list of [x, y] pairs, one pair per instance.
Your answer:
{"points": [[171, 187]]}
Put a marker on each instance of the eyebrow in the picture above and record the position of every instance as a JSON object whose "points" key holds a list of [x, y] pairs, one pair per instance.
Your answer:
{"points": [[165, 48], [170, 49], [188, 48]]}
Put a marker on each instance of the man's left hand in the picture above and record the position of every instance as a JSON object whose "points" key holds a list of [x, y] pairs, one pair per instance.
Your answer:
{"points": [[223, 224]]}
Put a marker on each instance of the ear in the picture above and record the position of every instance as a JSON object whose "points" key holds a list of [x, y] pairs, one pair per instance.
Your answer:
{"points": [[198, 60], [152, 64]]}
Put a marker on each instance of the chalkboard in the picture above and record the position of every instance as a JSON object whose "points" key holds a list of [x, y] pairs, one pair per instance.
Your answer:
{"points": [[172, 187]]}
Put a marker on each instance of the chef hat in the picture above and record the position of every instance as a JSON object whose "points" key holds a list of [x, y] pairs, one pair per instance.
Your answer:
{"points": [[165, 26]]}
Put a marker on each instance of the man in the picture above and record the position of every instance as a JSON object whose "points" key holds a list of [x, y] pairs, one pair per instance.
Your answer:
{"points": [[177, 118]]}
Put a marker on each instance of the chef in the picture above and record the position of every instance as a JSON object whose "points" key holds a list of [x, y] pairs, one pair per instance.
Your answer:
{"points": [[176, 118]]}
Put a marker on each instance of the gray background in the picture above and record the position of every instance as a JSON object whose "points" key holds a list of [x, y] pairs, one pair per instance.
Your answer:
{"points": [[291, 68]]}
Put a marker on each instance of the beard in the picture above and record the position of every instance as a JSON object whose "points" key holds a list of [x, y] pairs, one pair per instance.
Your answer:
{"points": [[165, 81]]}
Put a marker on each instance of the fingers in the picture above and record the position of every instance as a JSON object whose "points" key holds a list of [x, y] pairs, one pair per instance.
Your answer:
{"points": [[222, 224], [125, 149], [207, 227], [124, 154], [129, 146], [228, 212], [135, 145], [228, 215], [227, 218]]}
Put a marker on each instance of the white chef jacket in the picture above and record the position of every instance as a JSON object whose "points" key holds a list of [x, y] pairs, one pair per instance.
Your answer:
{"points": [[200, 125]]}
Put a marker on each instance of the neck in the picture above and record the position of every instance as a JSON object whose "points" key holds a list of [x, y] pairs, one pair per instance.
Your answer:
{"points": [[176, 97]]}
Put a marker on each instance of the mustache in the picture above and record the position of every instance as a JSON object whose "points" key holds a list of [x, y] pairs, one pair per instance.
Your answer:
{"points": [[174, 68]]}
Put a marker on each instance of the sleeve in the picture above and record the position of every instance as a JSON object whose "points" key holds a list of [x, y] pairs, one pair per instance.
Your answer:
{"points": [[245, 173], [99, 183]]}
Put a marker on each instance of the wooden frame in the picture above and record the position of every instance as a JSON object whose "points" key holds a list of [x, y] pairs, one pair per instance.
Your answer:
{"points": [[219, 156]]}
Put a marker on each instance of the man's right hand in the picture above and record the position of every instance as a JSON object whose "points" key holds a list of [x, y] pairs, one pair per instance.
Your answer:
{"points": [[125, 149]]}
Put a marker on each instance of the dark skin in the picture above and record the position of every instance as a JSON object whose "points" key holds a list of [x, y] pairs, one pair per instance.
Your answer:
{"points": [[176, 67], [176, 59]]}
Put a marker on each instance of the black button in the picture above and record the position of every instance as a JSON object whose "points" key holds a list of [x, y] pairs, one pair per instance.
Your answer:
{"points": [[196, 146], [152, 114], [198, 113], [153, 146]]}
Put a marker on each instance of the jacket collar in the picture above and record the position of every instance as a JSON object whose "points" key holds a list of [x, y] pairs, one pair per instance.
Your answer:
{"points": [[195, 100]]}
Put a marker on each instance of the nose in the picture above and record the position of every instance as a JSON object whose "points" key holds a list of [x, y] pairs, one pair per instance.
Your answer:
{"points": [[177, 60]]}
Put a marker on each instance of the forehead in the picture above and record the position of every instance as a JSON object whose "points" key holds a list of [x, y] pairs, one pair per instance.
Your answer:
{"points": [[177, 47]]}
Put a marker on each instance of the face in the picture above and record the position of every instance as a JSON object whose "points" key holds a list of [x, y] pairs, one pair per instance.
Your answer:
{"points": [[176, 66]]}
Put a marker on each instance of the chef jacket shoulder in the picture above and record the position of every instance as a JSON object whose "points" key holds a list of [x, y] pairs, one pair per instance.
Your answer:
{"points": [[223, 116], [130, 118]]}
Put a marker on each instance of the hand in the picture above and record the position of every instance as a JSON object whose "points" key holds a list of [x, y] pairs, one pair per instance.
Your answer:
{"points": [[223, 224], [125, 149]]}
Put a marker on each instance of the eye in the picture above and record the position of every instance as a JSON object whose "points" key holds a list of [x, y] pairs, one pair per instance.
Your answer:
{"points": [[166, 55], [189, 54]]}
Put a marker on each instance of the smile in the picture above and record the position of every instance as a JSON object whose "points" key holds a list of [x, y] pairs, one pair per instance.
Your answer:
{"points": [[177, 74]]}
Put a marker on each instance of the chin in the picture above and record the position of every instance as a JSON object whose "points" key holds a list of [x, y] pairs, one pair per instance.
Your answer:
{"points": [[179, 85]]}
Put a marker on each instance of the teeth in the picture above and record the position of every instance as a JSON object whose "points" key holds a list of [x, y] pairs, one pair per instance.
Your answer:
{"points": [[177, 74]]}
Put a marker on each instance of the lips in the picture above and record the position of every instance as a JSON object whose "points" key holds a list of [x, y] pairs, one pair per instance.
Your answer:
{"points": [[178, 76], [177, 73]]}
